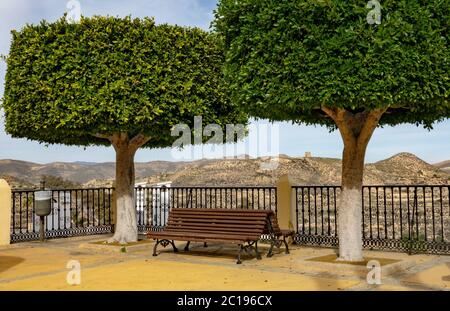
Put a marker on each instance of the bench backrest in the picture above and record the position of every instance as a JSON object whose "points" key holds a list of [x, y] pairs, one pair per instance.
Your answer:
{"points": [[275, 227], [236, 221]]}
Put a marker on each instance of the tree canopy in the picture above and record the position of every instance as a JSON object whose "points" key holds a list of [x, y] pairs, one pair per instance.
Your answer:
{"points": [[67, 82], [286, 59]]}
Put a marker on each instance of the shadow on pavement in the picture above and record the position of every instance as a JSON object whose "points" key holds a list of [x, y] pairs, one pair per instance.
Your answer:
{"points": [[7, 262]]}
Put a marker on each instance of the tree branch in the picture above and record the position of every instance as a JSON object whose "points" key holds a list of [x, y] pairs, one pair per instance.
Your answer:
{"points": [[371, 122], [356, 128], [331, 112], [103, 136], [138, 141], [340, 117], [116, 141]]}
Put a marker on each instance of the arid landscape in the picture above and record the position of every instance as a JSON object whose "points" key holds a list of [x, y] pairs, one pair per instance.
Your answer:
{"points": [[445, 166], [403, 168]]}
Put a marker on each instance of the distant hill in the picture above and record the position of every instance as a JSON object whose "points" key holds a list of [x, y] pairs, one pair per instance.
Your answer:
{"points": [[445, 166], [80, 172], [403, 168], [17, 183]]}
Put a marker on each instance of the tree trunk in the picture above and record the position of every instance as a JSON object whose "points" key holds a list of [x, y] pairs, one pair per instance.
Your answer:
{"points": [[356, 131], [126, 223], [126, 230], [350, 210]]}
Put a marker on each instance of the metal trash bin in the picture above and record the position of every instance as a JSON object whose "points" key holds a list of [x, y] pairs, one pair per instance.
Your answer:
{"points": [[43, 205], [42, 208]]}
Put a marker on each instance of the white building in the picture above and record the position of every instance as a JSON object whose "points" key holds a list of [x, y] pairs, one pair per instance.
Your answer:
{"points": [[160, 203]]}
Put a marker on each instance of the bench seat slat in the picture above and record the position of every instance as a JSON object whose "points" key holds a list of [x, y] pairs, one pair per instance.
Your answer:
{"points": [[217, 220], [257, 227], [210, 216], [219, 210], [199, 237], [225, 212], [215, 230]]}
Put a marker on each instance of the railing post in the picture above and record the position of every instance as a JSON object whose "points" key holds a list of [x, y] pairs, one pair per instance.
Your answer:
{"points": [[5, 213], [113, 207], [286, 204]]}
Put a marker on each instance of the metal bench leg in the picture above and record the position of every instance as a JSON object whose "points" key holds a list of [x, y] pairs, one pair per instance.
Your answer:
{"points": [[154, 248], [270, 252], [186, 248], [241, 248], [175, 249], [286, 245], [164, 243], [258, 255]]}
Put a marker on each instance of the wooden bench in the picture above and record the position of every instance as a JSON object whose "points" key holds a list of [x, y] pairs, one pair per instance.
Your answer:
{"points": [[277, 236], [236, 226]]}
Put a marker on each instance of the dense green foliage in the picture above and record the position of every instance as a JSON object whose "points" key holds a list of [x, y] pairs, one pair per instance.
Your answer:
{"points": [[287, 58], [106, 75]]}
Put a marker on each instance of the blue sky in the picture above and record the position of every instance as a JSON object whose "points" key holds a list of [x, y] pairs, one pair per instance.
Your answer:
{"points": [[294, 140]]}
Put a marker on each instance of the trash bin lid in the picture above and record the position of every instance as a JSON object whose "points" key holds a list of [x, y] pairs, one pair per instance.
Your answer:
{"points": [[42, 195]]}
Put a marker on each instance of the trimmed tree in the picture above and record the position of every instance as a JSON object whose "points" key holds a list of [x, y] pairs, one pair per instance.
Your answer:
{"points": [[114, 81], [327, 63]]}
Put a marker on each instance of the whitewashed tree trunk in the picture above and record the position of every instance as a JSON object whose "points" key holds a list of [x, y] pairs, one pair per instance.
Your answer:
{"points": [[349, 220], [126, 230], [349, 225], [356, 130]]}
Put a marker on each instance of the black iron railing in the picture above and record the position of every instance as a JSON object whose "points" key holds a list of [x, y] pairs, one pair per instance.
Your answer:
{"points": [[153, 203], [316, 210], [74, 212], [404, 218], [89, 211]]}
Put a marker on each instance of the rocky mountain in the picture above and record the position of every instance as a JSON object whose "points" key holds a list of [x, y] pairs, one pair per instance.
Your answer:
{"points": [[80, 172], [17, 183], [445, 166], [402, 168]]}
